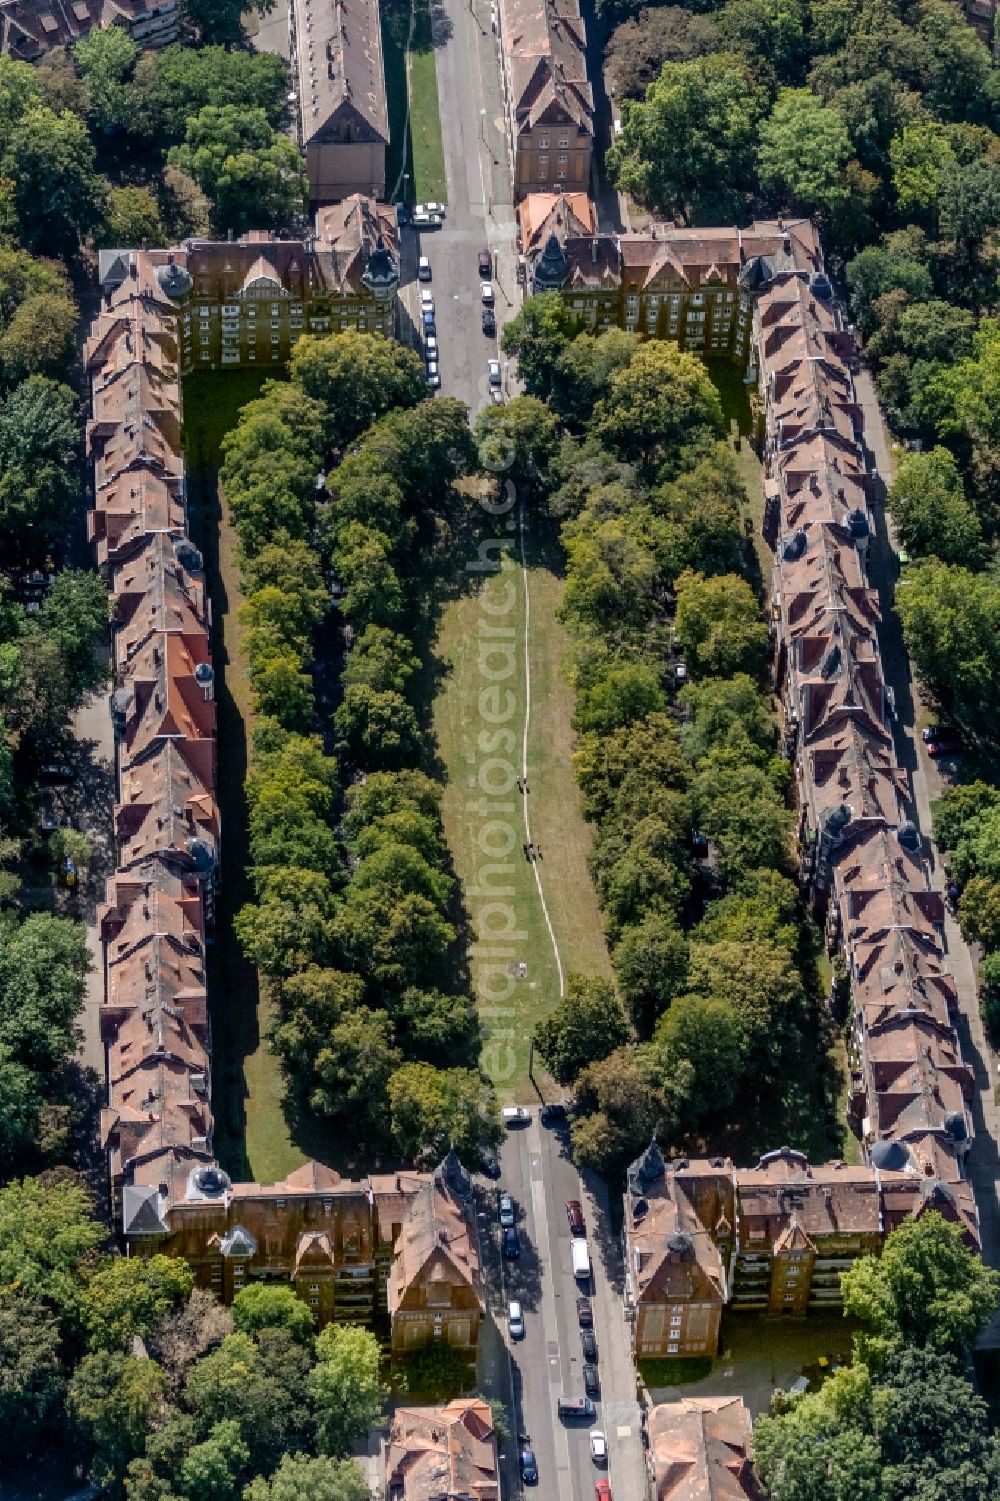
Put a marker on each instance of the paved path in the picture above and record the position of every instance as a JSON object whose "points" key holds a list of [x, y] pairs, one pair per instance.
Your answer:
{"points": [[926, 784], [88, 802]]}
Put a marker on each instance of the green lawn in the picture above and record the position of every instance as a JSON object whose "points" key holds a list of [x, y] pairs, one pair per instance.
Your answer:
{"points": [[464, 738], [728, 381], [251, 1135], [418, 150]]}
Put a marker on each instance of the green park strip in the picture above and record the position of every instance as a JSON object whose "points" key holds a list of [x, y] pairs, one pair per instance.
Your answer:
{"points": [[479, 822], [415, 146], [251, 1136]]}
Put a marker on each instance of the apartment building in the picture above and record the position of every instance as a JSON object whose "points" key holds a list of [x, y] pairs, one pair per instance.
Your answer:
{"points": [[438, 1452], [694, 287], [31, 28], [701, 1236], [399, 1251], [699, 1450], [212, 304], [548, 99], [340, 100]]}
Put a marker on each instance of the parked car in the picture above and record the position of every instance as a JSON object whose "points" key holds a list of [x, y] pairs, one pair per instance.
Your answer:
{"points": [[485, 263], [423, 269], [506, 1210], [574, 1213], [557, 1111], [402, 214], [598, 1447], [486, 293], [433, 375], [529, 1466], [427, 301], [431, 347], [427, 319], [489, 322], [602, 1490], [930, 733], [496, 397], [515, 1115], [946, 746], [584, 1313], [494, 372], [431, 208], [591, 1381], [515, 1320], [423, 219], [511, 1243], [576, 1408], [588, 1343], [489, 1162], [55, 772]]}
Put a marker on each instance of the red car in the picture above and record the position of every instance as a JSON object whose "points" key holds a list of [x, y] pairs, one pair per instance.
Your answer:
{"points": [[946, 746], [485, 263], [574, 1213], [602, 1490]]}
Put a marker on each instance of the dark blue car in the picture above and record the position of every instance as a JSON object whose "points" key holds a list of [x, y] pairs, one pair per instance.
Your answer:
{"points": [[529, 1467], [511, 1244]]}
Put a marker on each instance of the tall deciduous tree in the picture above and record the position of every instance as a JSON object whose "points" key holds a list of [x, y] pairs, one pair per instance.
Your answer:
{"points": [[804, 147], [587, 1024], [346, 1385], [251, 173]]}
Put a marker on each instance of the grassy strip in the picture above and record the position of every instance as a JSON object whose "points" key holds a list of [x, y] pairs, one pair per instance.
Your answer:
{"points": [[251, 1136], [429, 180], [556, 822]]}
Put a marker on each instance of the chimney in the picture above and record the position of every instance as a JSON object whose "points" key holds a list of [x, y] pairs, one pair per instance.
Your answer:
{"points": [[593, 251]]}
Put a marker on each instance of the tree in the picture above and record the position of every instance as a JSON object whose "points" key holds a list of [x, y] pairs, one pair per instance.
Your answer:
{"points": [[932, 515], [517, 439], [804, 147], [320, 1479], [182, 80], [39, 436], [21, 1104], [132, 215], [432, 1109], [49, 161], [251, 173], [43, 963], [75, 617], [31, 1383], [263, 1305], [587, 1024], [346, 1386], [291, 926], [106, 59], [969, 216], [47, 1237], [350, 1068], [622, 697], [357, 378], [661, 401], [130, 1296], [263, 1385], [188, 1332], [115, 1399], [728, 713], [935, 1431], [822, 1448], [536, 336], [210, 1470], [718, 625], [431, 1025], [703, 511], [620, 1103], [760, 983], [688, 147], [398, 939], [951, 626], [926, 1290], [707, 1033], [650, 963], [37, 317], [583, 372], [880, 269], [377, 730]]}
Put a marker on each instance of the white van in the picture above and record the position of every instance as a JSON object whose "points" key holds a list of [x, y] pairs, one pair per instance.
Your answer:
{"points": [[515, 1115], [581, 1260]]}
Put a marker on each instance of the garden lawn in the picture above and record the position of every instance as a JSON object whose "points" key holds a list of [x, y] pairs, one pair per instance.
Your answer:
{"points": [[411, 76], [557, 825], [251, 1135]]}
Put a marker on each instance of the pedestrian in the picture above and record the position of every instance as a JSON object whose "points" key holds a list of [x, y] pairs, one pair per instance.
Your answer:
{"points": [[525, 787], [525, 847], [538, 851]]}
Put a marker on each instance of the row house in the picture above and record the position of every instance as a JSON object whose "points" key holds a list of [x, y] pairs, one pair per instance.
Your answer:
{"points": [[699, 1450], [398, 1251], [695, 287], [437, 1452], [861, 858], [31, 28], [547, 96], [701, 1236], [342, 114]]}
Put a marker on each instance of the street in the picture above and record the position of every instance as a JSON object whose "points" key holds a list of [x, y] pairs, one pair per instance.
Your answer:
{"points": [[548, 1362], [480, 209]]}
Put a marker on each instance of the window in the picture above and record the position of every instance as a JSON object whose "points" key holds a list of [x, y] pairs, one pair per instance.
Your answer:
{"points": [[561, 172], [230, 310], [275, 309], [203, 338], [675, 300], [562, 158], [297, 308], [204, 314], [205, 355], [697, 299], [729, 296], [715, 343], [789, 1297], [543, 143], [275, 338], [314, 1287], [672, 1349], [564, 140], [313, 1302]]}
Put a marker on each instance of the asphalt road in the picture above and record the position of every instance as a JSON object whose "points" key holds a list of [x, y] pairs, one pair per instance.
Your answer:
{"points": [[548, 1362], [480, 211]]}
